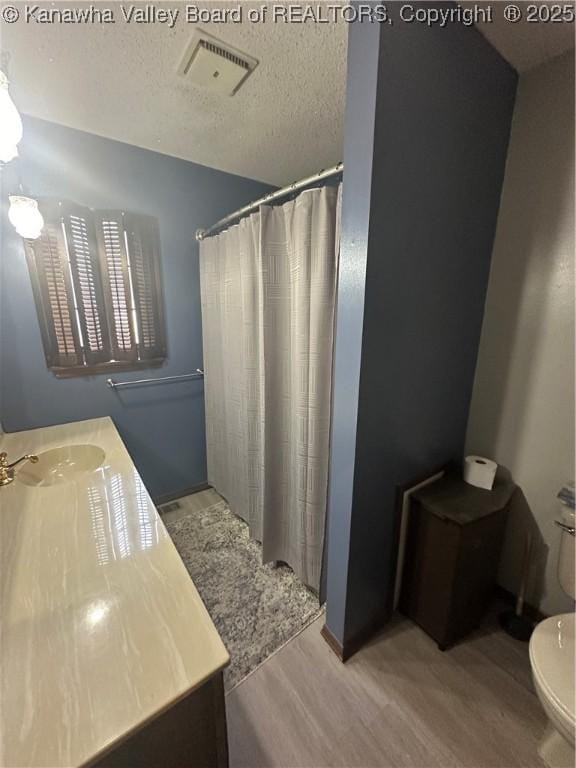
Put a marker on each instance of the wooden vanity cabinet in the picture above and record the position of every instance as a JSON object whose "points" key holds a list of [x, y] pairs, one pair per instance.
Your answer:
{"points": [[190, 734]]}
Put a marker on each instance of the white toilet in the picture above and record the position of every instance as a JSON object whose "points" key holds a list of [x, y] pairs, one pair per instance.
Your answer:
{"points": [[552, 659]]}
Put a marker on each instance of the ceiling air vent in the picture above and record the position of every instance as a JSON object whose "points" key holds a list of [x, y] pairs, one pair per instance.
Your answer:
{"points": [[214, 65]]}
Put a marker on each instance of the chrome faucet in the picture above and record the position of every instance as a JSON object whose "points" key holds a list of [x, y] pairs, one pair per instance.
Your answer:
{"points": [[7, 471]]}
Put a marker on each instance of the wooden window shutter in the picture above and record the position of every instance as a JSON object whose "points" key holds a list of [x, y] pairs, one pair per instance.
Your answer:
{"points": [[84, 265], [53, 293], [97, 285], [144, 254], [116, 283]]}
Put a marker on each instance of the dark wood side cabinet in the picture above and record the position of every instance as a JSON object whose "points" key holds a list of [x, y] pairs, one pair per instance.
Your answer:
{"points": [[453, 543]]}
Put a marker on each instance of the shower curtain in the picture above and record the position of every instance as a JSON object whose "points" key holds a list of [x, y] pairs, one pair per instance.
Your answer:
{"points": [[268, 293]]}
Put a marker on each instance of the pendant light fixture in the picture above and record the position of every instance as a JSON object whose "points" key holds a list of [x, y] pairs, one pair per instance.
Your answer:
{"points": [[10, 123], [23, 212], [25, 216]]}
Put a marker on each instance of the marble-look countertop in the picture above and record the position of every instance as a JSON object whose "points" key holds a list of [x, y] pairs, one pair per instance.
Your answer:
{"points": [[101, 627]]}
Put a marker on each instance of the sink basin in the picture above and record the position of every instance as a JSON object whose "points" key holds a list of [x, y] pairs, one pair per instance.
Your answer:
{"points": [[61, 465]]}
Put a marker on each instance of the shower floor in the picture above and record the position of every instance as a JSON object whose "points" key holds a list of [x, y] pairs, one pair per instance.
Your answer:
{"points": [[256, 608]]}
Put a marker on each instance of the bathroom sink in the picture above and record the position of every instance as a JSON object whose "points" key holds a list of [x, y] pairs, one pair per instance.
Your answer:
{"points": [[61, 465]]}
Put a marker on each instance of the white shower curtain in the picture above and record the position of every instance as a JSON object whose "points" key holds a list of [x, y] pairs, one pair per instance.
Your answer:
{"points": [[268, 292]]}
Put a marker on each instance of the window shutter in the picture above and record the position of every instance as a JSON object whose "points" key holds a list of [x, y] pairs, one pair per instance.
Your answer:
{"points": [[144, 254], [97, 285], [116, 280], [82, 249], [52, 286]]}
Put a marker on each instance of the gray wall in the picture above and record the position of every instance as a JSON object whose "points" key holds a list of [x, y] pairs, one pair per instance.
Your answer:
{"points": [[522, 411], [162, 426], [418, 227]]}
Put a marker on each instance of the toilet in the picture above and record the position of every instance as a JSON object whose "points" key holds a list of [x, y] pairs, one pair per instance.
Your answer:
{"points": [[552, 659]]}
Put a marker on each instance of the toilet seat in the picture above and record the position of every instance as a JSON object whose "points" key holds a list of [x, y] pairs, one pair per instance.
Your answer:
{"points": [[552, 658]]}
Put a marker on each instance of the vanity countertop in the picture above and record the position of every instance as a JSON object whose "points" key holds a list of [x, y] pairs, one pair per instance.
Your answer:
{"points": [[101, 627]]}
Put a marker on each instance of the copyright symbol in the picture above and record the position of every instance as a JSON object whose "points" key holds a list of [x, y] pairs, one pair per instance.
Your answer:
{"points": [[10, 14], [512, 13]]}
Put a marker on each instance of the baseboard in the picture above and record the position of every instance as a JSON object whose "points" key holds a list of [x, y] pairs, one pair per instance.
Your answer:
{"points": [[356, 642], [165, 498], [534, 614], [333, 643]]}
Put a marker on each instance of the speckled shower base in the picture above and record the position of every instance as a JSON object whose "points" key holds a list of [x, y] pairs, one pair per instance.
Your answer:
{"points": [[256, 608]]}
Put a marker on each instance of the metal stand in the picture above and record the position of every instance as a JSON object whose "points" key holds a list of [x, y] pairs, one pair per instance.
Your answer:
{"points": [[517, 625]]}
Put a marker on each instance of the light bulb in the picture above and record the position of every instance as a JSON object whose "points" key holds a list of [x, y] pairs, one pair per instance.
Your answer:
{"points": [[10, 123], [25, 216]]}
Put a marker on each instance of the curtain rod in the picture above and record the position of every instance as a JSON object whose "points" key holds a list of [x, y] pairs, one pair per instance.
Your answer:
{"points": [[269, 198]]}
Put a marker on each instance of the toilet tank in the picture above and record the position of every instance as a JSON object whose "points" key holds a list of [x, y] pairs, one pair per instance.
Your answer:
{"points": [[567, 554]]}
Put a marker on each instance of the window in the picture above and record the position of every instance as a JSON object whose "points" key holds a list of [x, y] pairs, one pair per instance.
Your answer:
{"points": [[98, 289]]}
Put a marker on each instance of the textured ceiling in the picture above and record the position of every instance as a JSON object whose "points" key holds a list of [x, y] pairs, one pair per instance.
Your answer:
{"points": [[120, 81], [525, 44]]}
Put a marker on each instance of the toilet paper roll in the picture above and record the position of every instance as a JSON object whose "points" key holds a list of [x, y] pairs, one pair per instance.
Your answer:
{"points": [[480, 471]]}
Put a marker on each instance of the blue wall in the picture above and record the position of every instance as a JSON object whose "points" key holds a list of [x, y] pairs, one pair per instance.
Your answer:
{"points": [[162, 426], [356, 190], [418, 225]]}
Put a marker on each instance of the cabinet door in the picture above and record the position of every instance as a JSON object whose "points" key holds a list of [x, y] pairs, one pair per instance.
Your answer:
{"points": [[429, 569], [476, 573]]}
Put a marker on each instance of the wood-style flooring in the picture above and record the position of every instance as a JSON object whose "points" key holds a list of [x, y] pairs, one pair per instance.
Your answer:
{"points": [[398, 702]]}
